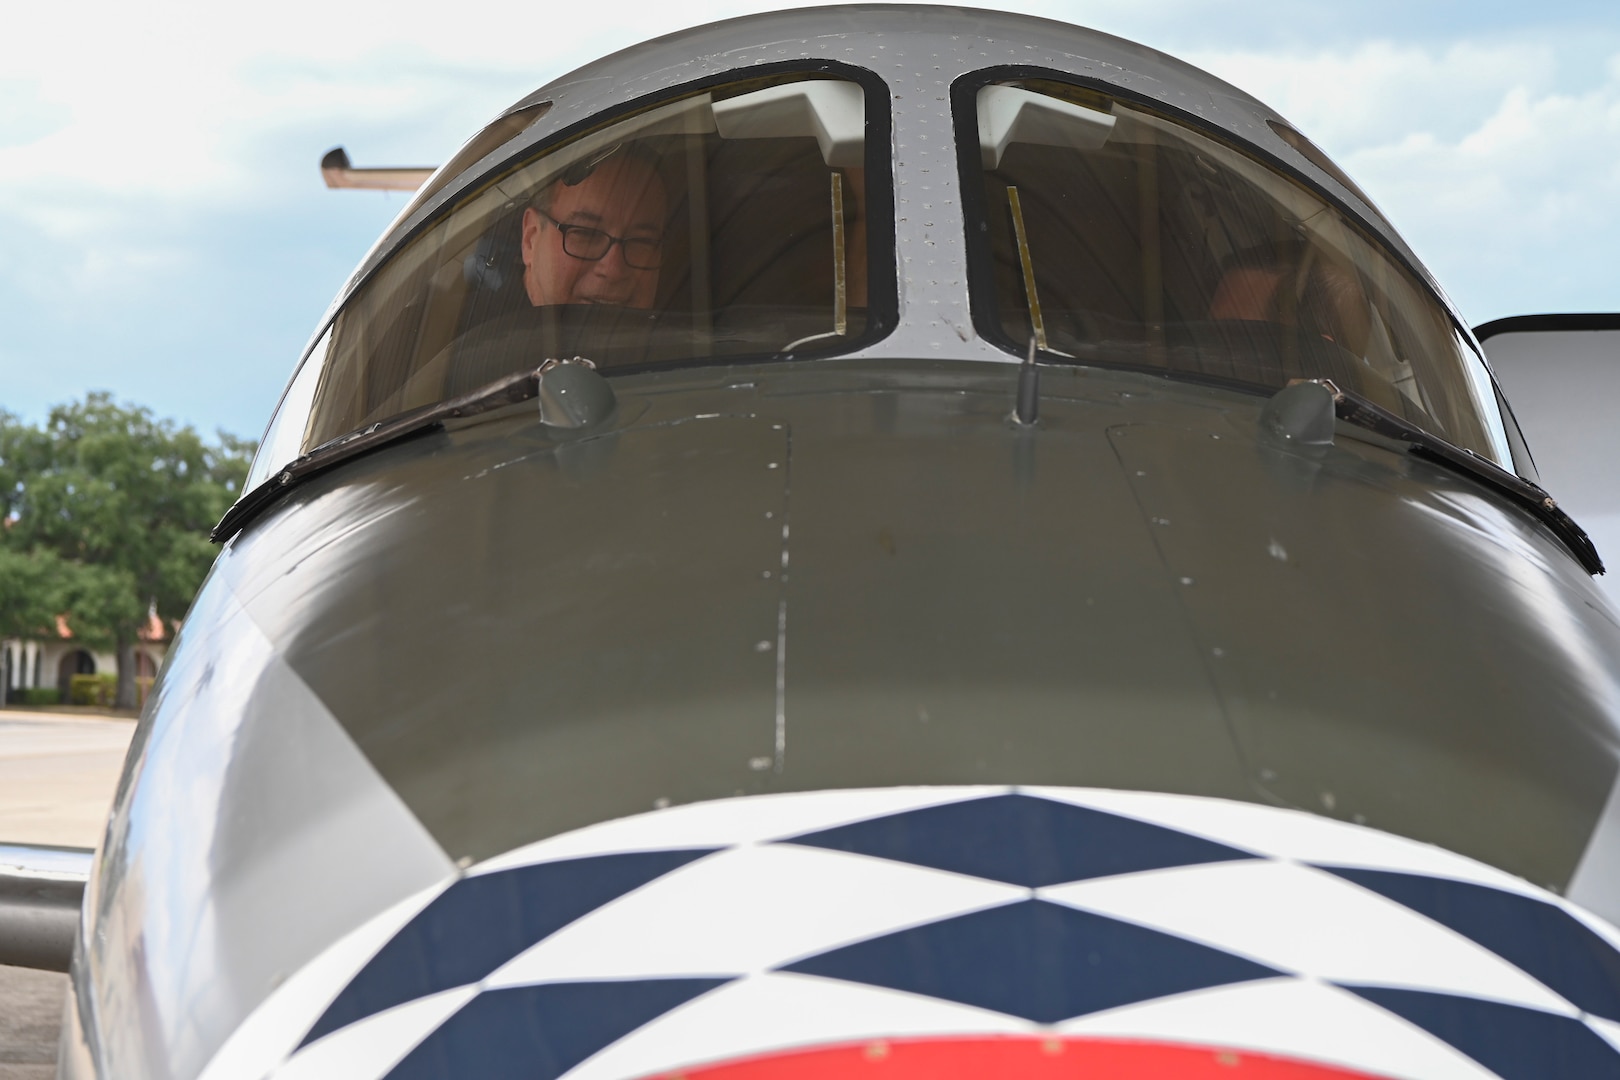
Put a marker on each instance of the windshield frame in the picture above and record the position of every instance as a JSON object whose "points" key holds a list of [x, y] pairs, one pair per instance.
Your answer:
{"points": [[882, 287], [1366, 220], [882, 309]]}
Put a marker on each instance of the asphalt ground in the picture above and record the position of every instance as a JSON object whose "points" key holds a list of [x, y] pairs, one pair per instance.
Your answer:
{"points": [[57, 775], [30, 1020]]}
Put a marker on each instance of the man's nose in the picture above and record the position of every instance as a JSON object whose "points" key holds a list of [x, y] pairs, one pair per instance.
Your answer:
{"points": [[613, 262]]}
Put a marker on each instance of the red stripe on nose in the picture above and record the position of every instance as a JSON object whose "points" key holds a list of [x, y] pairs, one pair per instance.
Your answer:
{"points": [[1016, 1058]]}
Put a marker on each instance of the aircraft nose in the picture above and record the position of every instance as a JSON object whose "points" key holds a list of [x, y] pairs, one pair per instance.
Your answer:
{"points": [[930, 929]]}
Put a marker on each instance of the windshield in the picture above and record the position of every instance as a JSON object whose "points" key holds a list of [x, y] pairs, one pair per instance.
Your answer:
{"points": [[728, 223], [1113, 235]]}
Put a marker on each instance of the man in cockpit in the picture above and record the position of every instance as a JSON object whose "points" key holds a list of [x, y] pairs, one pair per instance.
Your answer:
{"points": [[1275, 285], [596, 238]]}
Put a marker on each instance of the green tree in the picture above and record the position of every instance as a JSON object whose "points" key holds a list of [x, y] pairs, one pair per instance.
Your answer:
{"points": [[31, 582], [31, 592], [107, 512]]}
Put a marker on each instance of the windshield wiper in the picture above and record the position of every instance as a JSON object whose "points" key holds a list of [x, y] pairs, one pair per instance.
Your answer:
{"points": [[507, 390], [1354, 409]]}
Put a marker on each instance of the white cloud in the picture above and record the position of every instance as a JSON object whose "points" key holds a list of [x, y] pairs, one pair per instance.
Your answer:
{"points": [[1506, 185], [1524, 209], [115, 107], [1378, 92]]}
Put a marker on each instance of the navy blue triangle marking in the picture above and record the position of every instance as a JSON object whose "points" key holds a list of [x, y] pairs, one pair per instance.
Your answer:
{"points": [[540, 1032], [481, 922], [1037, 960], [1022, 840], [1542, 939], [1513, 1042]]}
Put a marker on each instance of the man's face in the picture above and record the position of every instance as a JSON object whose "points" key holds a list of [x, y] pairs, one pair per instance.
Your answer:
{"points": [[624, 198]]}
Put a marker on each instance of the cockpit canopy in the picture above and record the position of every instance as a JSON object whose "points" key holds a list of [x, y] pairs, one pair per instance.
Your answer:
{"points": [[753, 217], [729, 222]]}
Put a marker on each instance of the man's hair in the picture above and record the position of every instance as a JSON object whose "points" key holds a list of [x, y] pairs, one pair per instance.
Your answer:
{"points": [[577, 173]]}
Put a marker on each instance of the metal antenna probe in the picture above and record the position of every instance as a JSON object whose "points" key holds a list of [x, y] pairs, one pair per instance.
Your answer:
{"points": [[1027, 408]]}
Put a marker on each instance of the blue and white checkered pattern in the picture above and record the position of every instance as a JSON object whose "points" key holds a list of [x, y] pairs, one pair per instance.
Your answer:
{"points": [[743, 926]]}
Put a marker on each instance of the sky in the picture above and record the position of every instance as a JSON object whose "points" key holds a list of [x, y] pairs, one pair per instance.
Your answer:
{"points": [[165, 235]]}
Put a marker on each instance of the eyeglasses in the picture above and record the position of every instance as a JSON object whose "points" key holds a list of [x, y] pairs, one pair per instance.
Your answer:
{"points": [[584, 242]]}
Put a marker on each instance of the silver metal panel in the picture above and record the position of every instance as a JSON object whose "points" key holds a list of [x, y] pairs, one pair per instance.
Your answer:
{"points": [[74, 1061], [1596, 884], [291, 839], [1564, 386]]}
